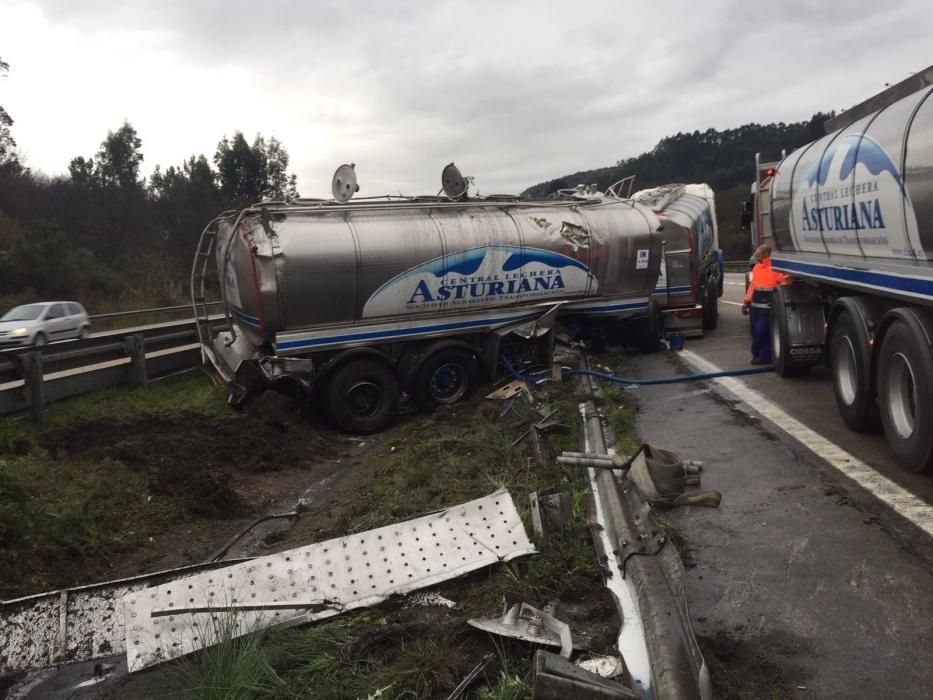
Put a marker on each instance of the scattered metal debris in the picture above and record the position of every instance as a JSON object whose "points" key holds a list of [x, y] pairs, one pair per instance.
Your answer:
{"points": [[508, 391], [223, 549], [662, 477], [550, 511], [470, 678], [555, 678], [429, 600], [595, 461], [72, 625], [321, 580], [524, 622], [605, 666]]}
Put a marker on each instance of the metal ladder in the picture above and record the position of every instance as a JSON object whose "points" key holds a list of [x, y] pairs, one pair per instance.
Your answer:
{"points": [[199, 268]]}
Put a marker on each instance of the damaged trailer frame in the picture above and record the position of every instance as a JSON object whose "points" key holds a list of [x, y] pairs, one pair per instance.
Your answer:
{"points": [[358, 303]]}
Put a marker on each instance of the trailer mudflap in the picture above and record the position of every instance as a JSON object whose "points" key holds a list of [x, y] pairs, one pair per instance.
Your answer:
{"points": [[805, 323]]}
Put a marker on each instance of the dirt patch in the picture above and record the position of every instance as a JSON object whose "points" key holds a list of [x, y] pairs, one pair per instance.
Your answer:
{"points": [[117, 496], [754, 668], [192, 457]]}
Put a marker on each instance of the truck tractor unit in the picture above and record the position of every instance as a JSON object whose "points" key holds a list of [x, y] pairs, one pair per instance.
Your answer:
{"points": [[691, 278], [851, 218], [360, 302]]}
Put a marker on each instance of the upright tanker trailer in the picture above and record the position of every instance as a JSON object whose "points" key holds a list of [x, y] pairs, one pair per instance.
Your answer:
{"points": [[360, 301], [851, 217]]}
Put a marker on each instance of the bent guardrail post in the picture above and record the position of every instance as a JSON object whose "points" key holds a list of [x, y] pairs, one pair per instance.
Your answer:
{"points": [[135, 347], [31, 365], [653, 576]]}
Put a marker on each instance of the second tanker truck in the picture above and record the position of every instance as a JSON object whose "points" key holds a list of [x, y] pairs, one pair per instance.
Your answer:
{"points": [[851, 218], [361, 301]]}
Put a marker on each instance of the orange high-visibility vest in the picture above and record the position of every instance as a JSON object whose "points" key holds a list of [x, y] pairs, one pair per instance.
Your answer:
{"points": [[763, 277]]}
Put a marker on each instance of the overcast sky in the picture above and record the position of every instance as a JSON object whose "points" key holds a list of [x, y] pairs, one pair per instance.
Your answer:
{"points": [[514, 92]]}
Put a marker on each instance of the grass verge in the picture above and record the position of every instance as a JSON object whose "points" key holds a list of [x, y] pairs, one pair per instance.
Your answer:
{"points": [[61, 510], [460, 453]]}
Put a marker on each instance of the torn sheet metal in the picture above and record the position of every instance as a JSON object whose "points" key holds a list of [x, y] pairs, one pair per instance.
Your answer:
{"points": [[508, 391], [72, 625], [337, 575], [528, 624]]}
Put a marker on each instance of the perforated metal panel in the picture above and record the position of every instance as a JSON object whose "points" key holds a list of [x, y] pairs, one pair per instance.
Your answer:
{"points": [[341, 574]]}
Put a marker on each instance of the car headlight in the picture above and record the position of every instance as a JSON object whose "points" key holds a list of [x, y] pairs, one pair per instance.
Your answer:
{"points": [[20, 331]]}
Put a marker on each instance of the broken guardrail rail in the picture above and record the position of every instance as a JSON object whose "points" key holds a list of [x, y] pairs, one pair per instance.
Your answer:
{"points": [[646, 577]]}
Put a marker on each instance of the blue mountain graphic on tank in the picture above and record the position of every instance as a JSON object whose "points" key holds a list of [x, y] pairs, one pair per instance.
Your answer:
{"points": [[860, 149], [486, 276], [467, 262]]}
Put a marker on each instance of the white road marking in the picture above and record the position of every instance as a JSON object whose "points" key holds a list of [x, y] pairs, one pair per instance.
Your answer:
{"points": [[895, 496], [734, 303], [737, 284]]}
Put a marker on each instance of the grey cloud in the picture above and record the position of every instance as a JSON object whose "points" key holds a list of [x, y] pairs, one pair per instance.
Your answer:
{"points": [[523, 91]]}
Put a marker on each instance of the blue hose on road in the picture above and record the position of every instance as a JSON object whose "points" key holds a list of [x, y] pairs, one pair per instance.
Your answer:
{"points": [[566, 372]]}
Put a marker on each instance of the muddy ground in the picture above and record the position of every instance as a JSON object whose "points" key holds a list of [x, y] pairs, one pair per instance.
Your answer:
{"points": [[208, 477]]}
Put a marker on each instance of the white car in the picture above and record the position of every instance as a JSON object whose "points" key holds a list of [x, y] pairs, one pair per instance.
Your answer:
{"points": [[41, 323]]}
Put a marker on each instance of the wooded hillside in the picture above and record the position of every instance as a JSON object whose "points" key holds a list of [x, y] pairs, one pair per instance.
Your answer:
{"points": [[722, 159]]}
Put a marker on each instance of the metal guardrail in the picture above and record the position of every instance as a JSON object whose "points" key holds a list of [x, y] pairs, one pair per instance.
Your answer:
{"points": [[30, 378], [116, 315]]}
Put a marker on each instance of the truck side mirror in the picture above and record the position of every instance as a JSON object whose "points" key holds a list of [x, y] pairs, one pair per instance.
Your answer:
{"points": [[746, 215]]}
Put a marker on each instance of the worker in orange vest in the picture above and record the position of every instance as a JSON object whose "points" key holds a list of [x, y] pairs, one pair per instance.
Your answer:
{"points": [[763, 277]]}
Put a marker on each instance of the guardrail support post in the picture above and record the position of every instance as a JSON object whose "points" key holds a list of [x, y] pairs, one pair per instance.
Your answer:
{"points": [[135, 347], [31, 363]]}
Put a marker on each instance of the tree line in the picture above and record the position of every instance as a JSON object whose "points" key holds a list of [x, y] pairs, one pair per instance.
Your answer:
{"points": [[722, 159], [104, 234]]}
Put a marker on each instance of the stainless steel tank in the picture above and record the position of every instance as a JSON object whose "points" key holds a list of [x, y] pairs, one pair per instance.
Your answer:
{"points": [[863, 193], [688, 217], [315, 276]]}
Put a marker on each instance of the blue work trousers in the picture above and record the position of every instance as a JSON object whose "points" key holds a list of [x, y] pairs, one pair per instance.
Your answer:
{"points": [[761, 336]]}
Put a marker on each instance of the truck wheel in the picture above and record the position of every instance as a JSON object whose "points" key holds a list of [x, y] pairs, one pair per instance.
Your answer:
{"points": [[850, 359], [362, 397], [710, 309], [780, 345], [445, 377], [905, 395], [650, 330]]}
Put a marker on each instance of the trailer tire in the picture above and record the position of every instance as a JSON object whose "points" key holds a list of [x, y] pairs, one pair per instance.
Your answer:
{"points": [[650, 330], [710, 309], [905, 396], [850, 362], [445, 377], [362, 397], [780, 347]]}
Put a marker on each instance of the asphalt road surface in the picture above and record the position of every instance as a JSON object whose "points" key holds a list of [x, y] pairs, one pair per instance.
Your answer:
{"points": [[809, 400], [814, 574]]}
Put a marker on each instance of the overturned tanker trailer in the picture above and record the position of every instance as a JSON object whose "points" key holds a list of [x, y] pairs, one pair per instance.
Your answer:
{"points": [[356, 302]]}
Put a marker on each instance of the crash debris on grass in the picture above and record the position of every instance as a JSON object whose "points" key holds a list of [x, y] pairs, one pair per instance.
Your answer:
{"points": [[323, 579]]}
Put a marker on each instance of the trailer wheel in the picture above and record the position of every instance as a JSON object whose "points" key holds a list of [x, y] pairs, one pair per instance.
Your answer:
{"points": [[905, 395], [649, 331], [362, 397], [850, 359], [780, 346], [710, 309], [445, 377]]}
